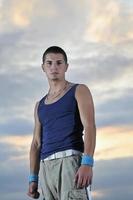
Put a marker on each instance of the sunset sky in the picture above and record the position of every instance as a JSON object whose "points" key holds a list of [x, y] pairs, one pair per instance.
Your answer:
{"points": [[97, 36]]}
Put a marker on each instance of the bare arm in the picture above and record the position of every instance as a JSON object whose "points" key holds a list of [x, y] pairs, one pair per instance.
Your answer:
{"points": [[87, 115], [35, 145], [35, 155]]}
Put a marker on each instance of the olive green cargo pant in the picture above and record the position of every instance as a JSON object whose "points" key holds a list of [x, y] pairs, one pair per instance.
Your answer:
{"points": [[57, 179]]}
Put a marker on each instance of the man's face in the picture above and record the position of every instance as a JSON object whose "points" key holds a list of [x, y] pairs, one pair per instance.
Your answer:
{"points": [[55, 66]]}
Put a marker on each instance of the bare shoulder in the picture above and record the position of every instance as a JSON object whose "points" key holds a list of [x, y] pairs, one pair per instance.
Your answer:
{"points": [[82, 90], [36, 107], [37, 126], [36, 112]]}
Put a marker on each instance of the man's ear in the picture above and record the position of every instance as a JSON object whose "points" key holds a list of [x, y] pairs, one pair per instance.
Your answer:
{"points": [[66, 67], [43, 67]]}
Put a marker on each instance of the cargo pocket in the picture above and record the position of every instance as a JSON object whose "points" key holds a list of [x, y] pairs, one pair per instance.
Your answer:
{"points": [[78, 194]]}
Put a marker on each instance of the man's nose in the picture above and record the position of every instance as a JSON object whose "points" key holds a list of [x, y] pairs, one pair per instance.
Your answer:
{"points": [[54, 66]]}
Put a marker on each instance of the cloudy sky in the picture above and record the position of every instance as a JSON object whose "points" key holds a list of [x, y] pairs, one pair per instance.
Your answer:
{"points": [[98, 39]]}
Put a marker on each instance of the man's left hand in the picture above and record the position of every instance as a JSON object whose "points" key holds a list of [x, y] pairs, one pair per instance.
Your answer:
{"points": [[83, 177]]}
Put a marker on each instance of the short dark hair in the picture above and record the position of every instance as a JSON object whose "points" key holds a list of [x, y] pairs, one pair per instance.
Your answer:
{"points": [[54, 49]]}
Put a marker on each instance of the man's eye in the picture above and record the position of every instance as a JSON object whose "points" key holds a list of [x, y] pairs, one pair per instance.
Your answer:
{"points": [[59, 63], [49, 63]]}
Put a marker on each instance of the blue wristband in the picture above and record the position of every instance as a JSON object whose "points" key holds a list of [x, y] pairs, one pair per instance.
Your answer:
{"points": [[87, 160], [33, 178]]}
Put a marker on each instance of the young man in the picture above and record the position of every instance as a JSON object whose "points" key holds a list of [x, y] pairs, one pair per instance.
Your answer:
{"points": [[58, 151]]}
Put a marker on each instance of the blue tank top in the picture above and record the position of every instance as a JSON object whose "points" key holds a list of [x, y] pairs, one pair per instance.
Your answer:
{"points": [[61, 127]]}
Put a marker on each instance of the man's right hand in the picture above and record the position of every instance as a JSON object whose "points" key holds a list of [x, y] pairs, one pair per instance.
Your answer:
{"points": [[33, 193]]}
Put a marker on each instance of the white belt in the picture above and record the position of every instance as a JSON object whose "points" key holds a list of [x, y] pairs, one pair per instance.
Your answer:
{"points": [[62, 154]]}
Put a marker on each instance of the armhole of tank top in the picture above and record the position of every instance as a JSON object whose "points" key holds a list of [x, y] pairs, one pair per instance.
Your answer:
{"points": [[39, 104], [38, 109], [76, 85]]}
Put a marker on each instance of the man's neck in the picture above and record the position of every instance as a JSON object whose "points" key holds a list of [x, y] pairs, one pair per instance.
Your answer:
{"points": [[56, 85]]}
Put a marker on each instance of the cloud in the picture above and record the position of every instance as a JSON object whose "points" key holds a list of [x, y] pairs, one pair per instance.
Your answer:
{"points": [[20, 90], [112, 179], [44, 20], [7, 151], [16, 126], [16, 14], [14, 180], [101, 69], [14, 166], [111, 142], [110, 23], [14, 148], [20, 12], [116, 111]]}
